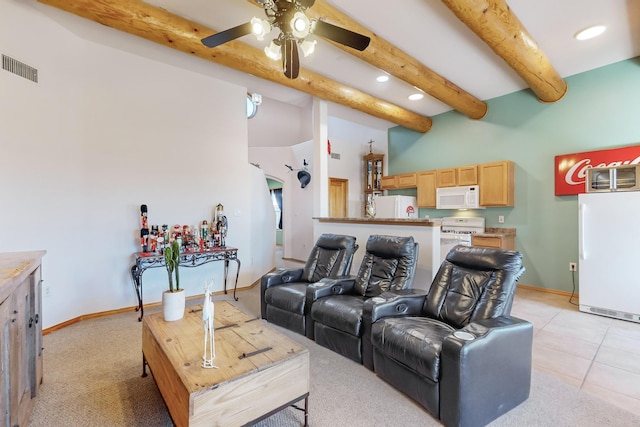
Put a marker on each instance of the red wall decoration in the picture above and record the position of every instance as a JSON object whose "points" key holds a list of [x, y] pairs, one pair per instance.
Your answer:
{"points": [[571, 169]]}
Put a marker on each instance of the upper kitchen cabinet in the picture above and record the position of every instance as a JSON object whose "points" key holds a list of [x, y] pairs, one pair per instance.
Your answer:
{"points": [[426, 189], [468, 175], [452, 177], [446, 177], [405, 180], [496, 180], [389, 182]]}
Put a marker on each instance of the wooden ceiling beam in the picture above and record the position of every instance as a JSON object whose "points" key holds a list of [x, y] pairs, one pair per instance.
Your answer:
{"points": [[160, 26], [387, 57], [495, 23]]}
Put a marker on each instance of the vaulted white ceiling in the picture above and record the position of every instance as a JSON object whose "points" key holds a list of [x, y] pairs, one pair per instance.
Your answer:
{"points": [[429, 31]]}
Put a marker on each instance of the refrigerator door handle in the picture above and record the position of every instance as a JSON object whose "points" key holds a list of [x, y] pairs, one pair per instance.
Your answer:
{"points": [[581, 249]]}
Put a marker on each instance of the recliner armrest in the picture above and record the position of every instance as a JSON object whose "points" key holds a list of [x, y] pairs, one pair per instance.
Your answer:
{"points": [[280, 276], [277, 277], [486, 376], [405, 302], [330, 286]]}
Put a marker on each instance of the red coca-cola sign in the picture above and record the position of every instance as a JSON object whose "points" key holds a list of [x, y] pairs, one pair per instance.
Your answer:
{"points": [[571, 169]]}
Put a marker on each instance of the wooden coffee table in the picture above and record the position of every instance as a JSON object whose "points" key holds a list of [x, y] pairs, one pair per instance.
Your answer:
{"points": [[261, 371]]}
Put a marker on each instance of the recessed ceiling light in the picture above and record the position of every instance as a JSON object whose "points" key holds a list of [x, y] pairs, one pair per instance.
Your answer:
{"points": [[416, 96], [591, 32], [382, 78]]}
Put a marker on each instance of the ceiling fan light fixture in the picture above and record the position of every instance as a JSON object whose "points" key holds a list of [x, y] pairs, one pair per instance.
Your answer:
{"points": [[260, 27], [300, 25], [273, 51], [591, 32], [308, 47]]}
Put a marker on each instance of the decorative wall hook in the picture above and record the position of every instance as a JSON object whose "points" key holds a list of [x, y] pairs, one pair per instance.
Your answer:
{"points": [[303, 174]]}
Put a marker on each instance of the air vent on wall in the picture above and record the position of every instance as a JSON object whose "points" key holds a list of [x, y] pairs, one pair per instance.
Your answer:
{"points": [[19, 68]]}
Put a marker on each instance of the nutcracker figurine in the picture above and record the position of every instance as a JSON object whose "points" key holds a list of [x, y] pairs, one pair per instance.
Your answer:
{"points": [[221, 224], [144, 229]]}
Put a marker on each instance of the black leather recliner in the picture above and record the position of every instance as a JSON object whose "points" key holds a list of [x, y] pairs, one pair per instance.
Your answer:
{"points": [[283, 292], [335, 305], [456, 350]]}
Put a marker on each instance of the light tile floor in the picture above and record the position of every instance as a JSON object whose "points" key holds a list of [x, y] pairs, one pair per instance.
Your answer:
{"points": [[597, 354]]}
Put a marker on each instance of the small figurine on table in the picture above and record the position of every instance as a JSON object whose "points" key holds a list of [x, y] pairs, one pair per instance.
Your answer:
{"points": [[207, 323]]}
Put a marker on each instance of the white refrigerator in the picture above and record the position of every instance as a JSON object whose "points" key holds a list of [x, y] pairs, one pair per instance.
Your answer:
{"points": [[609, 253], [396, 207]]}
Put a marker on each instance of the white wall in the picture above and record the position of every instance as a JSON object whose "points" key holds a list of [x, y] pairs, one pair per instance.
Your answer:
{"points": [[102, 132], [278, 124], [350, 140], [297, 229]]}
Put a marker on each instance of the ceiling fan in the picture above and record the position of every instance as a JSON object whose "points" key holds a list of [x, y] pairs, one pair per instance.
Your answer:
{"points": [[295, 28]]}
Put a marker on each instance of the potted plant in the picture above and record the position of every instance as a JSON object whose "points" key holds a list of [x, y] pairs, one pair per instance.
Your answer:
{"points": [[173, 300]]}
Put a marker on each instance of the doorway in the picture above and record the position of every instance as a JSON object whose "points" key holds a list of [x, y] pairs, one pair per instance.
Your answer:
{"points": [[338, 197], [275, 190]]}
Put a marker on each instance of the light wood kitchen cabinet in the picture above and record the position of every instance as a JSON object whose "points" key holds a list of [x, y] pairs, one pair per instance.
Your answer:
{"points": [[388, 182], [21, 366], [426, 183], [496, 180], [468, 175], [452, 177], [507, 242], [446, 177], [406, 180]]}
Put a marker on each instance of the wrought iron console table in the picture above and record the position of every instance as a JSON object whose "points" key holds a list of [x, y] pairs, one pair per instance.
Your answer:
{"points": [[144, 260]]}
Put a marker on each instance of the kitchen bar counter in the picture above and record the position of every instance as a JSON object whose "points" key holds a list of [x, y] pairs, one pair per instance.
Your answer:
{"points": [[387, 221], [424, 231]]}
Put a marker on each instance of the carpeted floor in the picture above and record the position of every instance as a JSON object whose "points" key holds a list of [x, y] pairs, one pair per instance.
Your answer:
{"points": [[92, 377]]}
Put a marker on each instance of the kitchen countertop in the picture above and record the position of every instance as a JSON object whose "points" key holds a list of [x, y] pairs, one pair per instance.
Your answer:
{"points": [[387, 221], [497, 232]]}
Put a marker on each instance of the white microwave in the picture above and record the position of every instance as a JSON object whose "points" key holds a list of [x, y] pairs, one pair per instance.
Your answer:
{"points": [[467, 197], [614, 178]]}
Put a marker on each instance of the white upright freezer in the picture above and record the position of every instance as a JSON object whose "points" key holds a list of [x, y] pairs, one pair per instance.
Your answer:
{"points": [[609, 253], [396, 207]]}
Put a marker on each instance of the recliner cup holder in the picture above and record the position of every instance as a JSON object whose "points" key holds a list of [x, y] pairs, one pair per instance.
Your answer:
{"points": [[466, 336]]}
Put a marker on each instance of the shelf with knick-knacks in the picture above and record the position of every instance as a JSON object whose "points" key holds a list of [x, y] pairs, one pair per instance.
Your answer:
{"points": [[373, 169]]}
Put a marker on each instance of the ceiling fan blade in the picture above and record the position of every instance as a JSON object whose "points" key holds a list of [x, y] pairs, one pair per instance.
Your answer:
{"points": [[227, 35], [290, 58], [340, 35]]}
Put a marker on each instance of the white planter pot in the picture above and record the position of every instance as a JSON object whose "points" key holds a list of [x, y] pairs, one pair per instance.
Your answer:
{"points": [[173, 304]]}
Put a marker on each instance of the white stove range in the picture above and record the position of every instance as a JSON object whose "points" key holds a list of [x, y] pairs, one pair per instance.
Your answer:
{"points": [[456, 230]]}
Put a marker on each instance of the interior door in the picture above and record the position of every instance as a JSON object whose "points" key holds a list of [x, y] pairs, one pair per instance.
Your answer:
{"points": [[338, 200]]}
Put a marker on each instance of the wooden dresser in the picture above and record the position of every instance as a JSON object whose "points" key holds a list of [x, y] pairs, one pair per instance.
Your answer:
{"points": [[20, 335]]}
